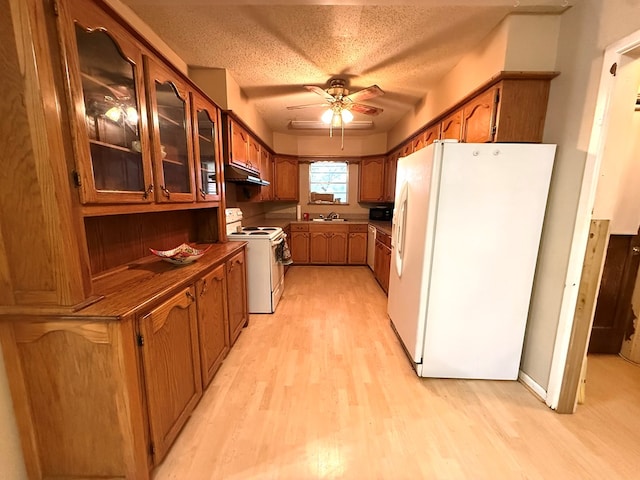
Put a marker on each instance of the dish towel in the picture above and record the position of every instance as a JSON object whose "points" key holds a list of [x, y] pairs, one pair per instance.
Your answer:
{"points": [[283, 254]]}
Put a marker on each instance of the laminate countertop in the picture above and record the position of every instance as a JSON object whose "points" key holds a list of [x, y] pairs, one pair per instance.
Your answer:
{"points": [[284, 222]]}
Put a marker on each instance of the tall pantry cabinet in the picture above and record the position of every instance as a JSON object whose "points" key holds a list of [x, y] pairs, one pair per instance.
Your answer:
{"points": [[108, 151]]}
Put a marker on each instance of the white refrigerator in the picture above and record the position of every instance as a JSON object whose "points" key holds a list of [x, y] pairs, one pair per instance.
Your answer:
{"points": [[466, 232]]}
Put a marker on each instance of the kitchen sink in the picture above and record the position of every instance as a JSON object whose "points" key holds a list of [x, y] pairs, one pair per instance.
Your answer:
{"points": [[329, 219]]}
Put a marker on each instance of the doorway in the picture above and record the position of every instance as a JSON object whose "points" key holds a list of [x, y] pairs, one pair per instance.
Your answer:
{"points": [[609, 193], [613, 321]]}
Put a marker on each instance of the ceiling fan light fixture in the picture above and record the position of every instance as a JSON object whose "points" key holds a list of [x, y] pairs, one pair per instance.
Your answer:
{"points": [[327, 116], [346, 115]]}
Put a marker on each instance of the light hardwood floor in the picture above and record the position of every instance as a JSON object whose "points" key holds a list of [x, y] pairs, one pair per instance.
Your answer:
{"points": [[322, 389]]}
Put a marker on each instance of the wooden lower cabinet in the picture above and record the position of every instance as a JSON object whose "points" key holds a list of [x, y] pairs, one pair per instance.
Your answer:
{"points": [[104, 392], [357, 247], [171, 363], [299, 244], [382, 260], [328, 244], [213, 325], [237, 295]]}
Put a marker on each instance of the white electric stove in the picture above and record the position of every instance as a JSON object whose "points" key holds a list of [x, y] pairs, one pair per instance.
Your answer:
{"points": [[265, 274]]}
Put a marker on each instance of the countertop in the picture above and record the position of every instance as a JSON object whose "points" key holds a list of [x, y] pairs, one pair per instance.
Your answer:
{"points": [[283, 222]]}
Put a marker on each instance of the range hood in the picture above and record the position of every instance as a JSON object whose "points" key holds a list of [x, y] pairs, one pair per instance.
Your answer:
{"points": [[238, 175]]}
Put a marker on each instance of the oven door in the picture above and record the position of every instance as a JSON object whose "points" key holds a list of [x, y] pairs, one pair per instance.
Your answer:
{"points": [[277, 272]]}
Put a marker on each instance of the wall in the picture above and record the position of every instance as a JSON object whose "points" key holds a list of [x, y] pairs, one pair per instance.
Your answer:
{"points": [[322, 144], [585, 31]]}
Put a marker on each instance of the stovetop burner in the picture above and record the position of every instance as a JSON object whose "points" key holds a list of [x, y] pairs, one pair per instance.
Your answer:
{"points": [[259, 233], [271, 229], [250, 228]]}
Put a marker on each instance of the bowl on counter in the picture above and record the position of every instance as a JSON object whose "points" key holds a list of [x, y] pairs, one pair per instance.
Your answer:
{"points": [[181, 255]]}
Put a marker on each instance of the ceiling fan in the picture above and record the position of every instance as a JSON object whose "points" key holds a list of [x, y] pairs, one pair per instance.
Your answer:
{"points": [[337, 97], [339, 103]]}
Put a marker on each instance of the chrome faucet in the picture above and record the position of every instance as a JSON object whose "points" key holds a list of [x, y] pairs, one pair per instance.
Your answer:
{"points": [[333, 215]]}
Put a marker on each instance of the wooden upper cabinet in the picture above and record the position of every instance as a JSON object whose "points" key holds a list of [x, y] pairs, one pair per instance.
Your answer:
{"points": [[266, 173], [206, 121], [172, 150], [451, 126], [285, 178], [418, 142], [238, 144], [406, 149], [478, 117], [390, 167], [522, 108], [253, 156], [109, 110], [371, 180], [431, 134], [171, 364]]}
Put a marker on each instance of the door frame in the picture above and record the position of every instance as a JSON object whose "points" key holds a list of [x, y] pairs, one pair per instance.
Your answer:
{"points": [[564, 352]]}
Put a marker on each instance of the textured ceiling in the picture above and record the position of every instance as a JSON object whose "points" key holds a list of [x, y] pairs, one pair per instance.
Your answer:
{"points": [[272, 48]]}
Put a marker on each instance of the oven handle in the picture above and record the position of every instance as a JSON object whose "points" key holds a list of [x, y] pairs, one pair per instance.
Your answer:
{"points": [[278, 240]]}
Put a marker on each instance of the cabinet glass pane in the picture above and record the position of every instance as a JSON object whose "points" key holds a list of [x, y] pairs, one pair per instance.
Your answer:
{"points": [[173, 138], [111, 112], [206, 140]]}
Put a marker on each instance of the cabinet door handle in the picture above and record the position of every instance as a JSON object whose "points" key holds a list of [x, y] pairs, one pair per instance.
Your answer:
{"points": [[148, 191], [166, 191], [205, 287], [189, 296], [203, 194]]}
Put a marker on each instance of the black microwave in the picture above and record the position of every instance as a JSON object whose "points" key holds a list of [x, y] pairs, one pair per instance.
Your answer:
{"points": [[382, 214]]}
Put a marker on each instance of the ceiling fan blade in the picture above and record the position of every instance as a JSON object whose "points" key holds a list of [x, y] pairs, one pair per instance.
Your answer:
{"points": [[369, 92], [321, 92], [366, 109], [312, 105]]}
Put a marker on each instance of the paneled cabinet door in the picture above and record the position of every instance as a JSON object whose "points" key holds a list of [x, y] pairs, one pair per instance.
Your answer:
{"points": [[285, 179], [213, 327], [106, 81], [266, 173], [236, 295], [390, 167], [253, 159], [206, 150], [451, 126], [371, 184], [171, 365], [318, 247], [479, 117], [172, 150], [357, 248], [239, 148], [431, 134], [300, 247], [337, 245]]}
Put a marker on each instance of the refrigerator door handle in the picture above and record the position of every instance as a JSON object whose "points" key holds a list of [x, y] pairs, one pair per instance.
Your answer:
{"points": [[401, 225]]}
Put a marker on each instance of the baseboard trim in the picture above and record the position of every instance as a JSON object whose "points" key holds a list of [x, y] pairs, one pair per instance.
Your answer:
{"points": [[536, 389]]}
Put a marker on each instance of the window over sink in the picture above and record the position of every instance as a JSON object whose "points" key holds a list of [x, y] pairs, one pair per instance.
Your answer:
{"points": [[329, 182]]}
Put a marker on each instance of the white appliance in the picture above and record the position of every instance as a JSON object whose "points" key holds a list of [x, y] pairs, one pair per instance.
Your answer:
{"points": [[265, 274], [371, 246], [466, 231]]}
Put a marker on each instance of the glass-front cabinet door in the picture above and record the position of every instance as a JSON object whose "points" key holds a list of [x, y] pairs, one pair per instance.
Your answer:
{"points": [[105, 77], [171, 134], [206, 121]]}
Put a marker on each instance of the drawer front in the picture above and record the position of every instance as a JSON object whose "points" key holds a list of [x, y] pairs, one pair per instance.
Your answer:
{"points": [[299, 227], [358, 227], [383, 238], [328, 227]]}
